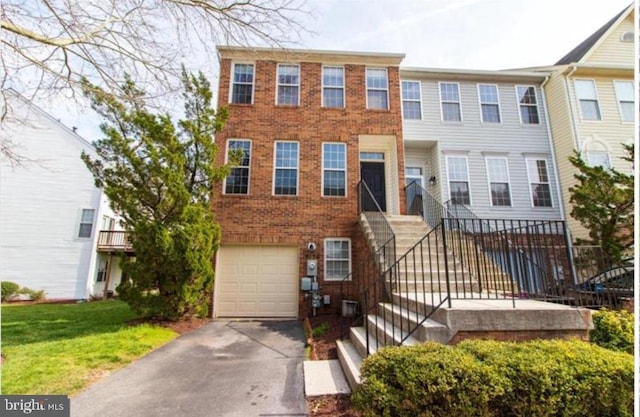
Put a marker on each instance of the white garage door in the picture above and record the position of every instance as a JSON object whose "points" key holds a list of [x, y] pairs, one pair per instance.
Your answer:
{"points": [[256, 281]]}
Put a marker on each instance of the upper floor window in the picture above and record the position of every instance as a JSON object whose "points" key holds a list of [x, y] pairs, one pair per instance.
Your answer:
{"points": [[528, 104], [337, 258], [588, 99], [288, 85], [489, 103], [625, 96], [377, 88], [539, 182], [86, 223], [458, 172], [238, 180], [450, 102], [333, 87], [598, 159], [498, 174], [242, 84], [411, 103], [334, 169], [627, 37], [286, 169]]}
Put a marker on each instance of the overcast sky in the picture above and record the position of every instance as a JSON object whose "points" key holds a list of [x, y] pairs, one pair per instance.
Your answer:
{"points": [[466, 34]]}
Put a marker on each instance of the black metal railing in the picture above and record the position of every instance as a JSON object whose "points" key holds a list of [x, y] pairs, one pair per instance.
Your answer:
{"points": [[422, 203], [600, 280], [380, 227]]}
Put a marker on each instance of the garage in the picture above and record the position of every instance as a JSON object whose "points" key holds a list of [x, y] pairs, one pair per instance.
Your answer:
{"points": [[256, 281]]}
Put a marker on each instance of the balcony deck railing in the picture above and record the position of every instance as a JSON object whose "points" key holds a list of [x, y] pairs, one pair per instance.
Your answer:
{"points": [[114, 241]]}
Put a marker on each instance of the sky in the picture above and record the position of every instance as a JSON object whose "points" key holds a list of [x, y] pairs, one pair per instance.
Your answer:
{"points": [[462, 34]]}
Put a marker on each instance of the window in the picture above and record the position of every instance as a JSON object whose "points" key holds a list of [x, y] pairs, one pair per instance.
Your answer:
{"points": [[333, 87], [372, 156], [86, 223], [588, 99], [458, 179], [598, 159], [627, 37], [288, 85], [242, 88], [334, 169], [489, 103], [539, 182], [238, 180], [286, 169], [625, 96], [528, 104], [498, 174], [337, 259], [377, 97], [102, 271], [450, 102], [411, 104]]}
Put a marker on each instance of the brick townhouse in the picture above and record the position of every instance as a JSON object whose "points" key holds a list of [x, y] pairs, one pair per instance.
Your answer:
{"points": [[310, 125]]}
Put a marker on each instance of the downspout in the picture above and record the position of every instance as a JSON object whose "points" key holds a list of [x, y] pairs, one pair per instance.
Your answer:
{"points": [[574, 125], [553, 151]]}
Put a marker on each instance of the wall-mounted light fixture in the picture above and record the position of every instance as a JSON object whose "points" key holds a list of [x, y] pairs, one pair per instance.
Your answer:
{"points": [[432, 180]]}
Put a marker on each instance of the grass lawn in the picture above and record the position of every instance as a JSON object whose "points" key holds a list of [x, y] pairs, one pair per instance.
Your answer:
{"points": [[62, 348]]}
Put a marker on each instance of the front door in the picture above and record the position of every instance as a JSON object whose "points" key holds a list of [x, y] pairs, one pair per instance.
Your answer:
{"points": [[372, 174]]}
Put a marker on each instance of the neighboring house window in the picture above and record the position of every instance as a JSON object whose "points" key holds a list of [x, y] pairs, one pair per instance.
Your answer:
{"points": [[411, 103], [625, 96], [334, 169], [286, 169], [598, 159], [458, 179], [528, 104], [450, 102], [337, 259], [489, 103], [498, 173], [539, 182], [238, 180], [86, 223], [377, 94], [588, 99], [333, 87], [288, 84], [242, 88]]}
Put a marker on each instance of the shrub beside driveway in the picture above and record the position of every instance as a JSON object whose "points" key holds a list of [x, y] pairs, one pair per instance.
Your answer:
{"points": [[62, 348]]}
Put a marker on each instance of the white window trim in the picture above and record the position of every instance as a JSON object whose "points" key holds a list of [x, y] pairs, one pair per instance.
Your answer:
{"points": [[537, 105], [459, 102], [253, 84], [615, 91], [419, 100], [226, 160], [288, 85], [480, 103], [367, 88], [506, 160], [275, 154], [344, 87], [466, 158], [529, 179], [324, 255], [595, 89], [346, 180], [80, 223]]}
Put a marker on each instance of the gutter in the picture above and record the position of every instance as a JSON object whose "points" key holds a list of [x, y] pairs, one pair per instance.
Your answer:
{"points": [[553, 151]]}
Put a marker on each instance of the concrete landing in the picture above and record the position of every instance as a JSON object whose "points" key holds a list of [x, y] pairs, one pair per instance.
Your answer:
{"points": [[324, 378]]}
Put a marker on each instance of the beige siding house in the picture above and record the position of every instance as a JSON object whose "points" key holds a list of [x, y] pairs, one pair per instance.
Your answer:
{"points": [[590, 100]]}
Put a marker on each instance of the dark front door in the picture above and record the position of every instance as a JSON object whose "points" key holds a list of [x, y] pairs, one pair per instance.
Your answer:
{"points": [[372, 173]]}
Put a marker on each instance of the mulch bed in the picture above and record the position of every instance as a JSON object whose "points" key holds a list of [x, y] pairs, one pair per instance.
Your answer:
{"points": [[180, 326], [324, 348]]}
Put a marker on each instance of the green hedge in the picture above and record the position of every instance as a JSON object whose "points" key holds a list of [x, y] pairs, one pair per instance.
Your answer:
{"points": [[9, 289], [613, 330], [486, 378]]}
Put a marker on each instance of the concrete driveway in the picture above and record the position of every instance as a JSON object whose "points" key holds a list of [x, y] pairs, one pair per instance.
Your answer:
{"points": [[222, 369]]}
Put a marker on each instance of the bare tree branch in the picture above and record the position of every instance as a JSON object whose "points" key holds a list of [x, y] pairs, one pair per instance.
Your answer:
{"points": [[50, 46]]}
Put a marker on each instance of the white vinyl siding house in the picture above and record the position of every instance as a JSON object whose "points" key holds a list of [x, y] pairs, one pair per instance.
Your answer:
{"points": [[432, 144], [51, 212]]}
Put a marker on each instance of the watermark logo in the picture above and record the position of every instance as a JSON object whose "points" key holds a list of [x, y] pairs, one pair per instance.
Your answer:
{"points": [[34, 405]]}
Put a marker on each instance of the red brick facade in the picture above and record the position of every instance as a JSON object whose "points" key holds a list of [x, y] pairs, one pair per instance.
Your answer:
{"points": [[262, 218]]}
